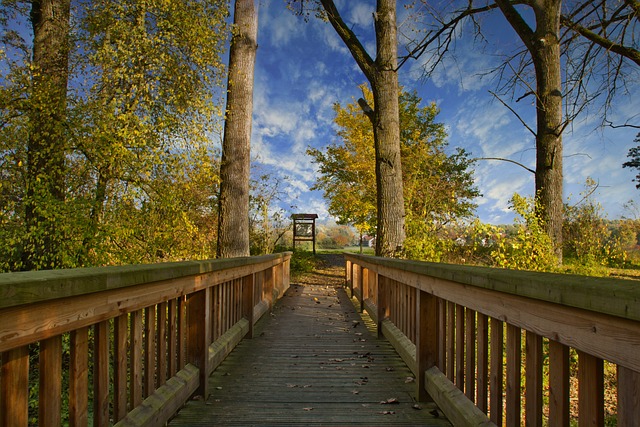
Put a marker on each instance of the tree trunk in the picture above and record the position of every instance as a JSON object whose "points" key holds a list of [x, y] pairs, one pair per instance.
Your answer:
{"points": [[391, 216], [233, 227], [383, 77], [546, 61], [544, 46], [45, 183]]}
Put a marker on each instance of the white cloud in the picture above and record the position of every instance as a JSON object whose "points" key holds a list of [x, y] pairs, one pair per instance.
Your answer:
{"points": [[362, 14]]}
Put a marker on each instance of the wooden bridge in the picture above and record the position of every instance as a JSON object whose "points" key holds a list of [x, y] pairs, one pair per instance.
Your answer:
{"points": [[137, 345]]}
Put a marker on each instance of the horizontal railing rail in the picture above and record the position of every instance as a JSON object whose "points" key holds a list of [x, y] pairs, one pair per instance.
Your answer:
{"points": [[493, 346], [124, 345]]}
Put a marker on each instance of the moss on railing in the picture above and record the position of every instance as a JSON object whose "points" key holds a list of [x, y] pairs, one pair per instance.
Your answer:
{"points": [[35, 286]]}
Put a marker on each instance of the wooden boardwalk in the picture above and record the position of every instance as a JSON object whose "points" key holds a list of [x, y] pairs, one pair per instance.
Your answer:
{"points": [[313, 361]]}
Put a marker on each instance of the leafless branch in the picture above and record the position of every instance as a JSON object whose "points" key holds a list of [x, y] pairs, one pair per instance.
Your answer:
{"points": [[506, 160], [514, 113]]}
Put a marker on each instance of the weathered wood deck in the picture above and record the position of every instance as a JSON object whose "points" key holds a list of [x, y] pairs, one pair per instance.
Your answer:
{"points": [[313, 361]]}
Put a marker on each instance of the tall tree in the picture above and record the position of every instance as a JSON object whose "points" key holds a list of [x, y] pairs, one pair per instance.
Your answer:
{"points": [[233, 231], [382, 75], [438, 188], [591, 44], [47, 143], [543, 44]]}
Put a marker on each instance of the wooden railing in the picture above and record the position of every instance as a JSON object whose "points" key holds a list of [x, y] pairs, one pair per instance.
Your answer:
{"points": [[494, 346], [124, 345]]}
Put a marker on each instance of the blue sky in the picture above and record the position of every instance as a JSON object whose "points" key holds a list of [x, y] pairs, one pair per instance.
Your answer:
{"points": [[303, 68]]}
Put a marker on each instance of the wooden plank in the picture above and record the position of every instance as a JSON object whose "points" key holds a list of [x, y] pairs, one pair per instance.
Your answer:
{"points": [[31, 287], [590, 390], [559, 409], [182, 332], [149, 378], [78, 378], [14, 387], [173, 337], [101, 374], [594, 294], [628, 397], [120, 386], [247, 302], [198, 331], [161, 358], [456, 406], [451, 340], [610, 338], [496, 374], [470, 345], [311, 355], [514, 352], [533, 380], [483, 363], [135, 359], [460, 347], [383, 302], [50, 389], [158, 408], [426, 339], [442, 334]]}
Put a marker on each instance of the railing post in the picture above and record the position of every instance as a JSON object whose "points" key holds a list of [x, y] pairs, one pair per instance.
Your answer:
{"points": [[50, 391], [198, 326], [78, 378], [383, 302], [247, 301], [426, 339], [347, 273], [14, 394], [628, 397], [361, 271]]}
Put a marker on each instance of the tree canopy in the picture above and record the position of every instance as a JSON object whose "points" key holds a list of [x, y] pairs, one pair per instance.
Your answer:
{"points": [[438, 186], [133, 133]]}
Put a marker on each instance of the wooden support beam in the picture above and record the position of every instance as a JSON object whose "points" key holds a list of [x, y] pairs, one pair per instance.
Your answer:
{"points": [[559, 409], [198, 327], [120, 339], [14, 387], [50, 390], [78, 378], [590, 390], [101, 374], [427, 339]]}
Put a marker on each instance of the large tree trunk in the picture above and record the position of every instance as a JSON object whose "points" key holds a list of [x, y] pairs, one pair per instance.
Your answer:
{"points": [[546, 61], [544, 47], [390, 233], [45, 183], [233, 228], [383, 77]]}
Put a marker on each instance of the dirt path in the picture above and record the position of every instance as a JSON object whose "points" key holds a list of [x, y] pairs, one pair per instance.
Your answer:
{"points": [[330, 272]]}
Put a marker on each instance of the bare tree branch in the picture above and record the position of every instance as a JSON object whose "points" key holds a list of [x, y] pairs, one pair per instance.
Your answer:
{"points": [[514, 113], [506, 160]]}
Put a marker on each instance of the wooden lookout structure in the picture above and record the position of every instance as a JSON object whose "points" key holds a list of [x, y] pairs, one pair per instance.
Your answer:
{"points": [[304, 229]]}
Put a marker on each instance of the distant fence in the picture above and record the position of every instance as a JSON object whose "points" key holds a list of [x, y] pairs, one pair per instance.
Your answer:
{"points": [[493, 346], [124, 345]]}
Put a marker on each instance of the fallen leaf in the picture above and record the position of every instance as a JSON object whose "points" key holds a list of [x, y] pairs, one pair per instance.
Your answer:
{"points": [[292, 385], [388, 412], [409, 380], [355, 392], [417, 407], [390, 369], [307, 409], [390, 401]]}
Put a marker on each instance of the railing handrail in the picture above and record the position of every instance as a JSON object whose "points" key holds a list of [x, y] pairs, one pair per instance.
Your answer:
{"points": [[448, 322], [153, 332], [612, 296], [30, 287]]}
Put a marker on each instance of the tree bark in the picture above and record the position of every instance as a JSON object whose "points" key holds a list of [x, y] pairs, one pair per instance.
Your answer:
{"points": [[383, 77], [45, 175], [233, 227], [544, 46]]}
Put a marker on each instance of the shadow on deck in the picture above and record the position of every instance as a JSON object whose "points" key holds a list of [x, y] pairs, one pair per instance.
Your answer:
{"points": [[313, 361]]}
